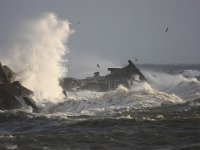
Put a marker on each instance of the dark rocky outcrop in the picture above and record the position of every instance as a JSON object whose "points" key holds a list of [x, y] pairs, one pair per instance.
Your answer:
{"points": [[118, 76], [12, 94]]}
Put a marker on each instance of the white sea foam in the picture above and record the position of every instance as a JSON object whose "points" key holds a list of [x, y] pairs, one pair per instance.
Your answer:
{"points": [[142, 95], [186, 88], [38, 54], [191, 73]]}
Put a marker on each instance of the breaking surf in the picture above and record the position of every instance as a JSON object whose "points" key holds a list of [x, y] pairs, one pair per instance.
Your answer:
{"points": [[160, 113]]}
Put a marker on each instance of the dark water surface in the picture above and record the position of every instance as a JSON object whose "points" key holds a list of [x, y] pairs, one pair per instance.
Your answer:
{"points": [[165, 127], [145, 118]]}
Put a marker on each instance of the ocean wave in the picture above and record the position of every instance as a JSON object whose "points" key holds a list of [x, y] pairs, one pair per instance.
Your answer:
{"points": [[142, 95], [191, 73], [185, 87]]}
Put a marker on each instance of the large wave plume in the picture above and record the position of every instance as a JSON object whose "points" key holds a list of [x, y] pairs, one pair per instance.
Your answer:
{"points": [[40, 45]]}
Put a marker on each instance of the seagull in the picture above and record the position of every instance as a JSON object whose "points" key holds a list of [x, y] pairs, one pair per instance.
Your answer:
{"points": [[79, 22], [166, 30], [136, 59], [98, 66]]}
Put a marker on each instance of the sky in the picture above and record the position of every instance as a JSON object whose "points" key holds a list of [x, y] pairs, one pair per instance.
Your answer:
{"points": [[109, 32]]}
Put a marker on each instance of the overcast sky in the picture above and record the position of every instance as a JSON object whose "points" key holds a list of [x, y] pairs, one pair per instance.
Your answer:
{"points": [[113, 31]]}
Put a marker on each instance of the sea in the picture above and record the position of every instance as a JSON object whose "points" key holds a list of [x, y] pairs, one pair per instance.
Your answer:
{"points": [[161, 114]]}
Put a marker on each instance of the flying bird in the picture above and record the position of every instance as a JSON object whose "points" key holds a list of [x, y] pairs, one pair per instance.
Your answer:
{"points": [[79, 22], [136, 59], [166, 30], [98, 66]]}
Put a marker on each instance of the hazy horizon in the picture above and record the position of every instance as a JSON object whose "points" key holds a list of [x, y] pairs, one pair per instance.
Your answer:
{"points": [[111, 32]]}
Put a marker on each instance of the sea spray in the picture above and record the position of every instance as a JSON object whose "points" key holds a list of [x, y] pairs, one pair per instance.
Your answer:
{"points": [[185, 87], [191, 73], [38, 55], [164, 81]]}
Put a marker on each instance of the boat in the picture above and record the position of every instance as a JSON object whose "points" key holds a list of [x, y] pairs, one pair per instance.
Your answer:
{"points": [[118, 76]]}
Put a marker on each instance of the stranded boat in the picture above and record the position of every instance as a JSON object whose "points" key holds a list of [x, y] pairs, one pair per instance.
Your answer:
{"points": [[118, 76]]}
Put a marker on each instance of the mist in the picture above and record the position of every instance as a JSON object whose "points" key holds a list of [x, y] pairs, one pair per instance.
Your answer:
{"points": [[37, 53]]}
